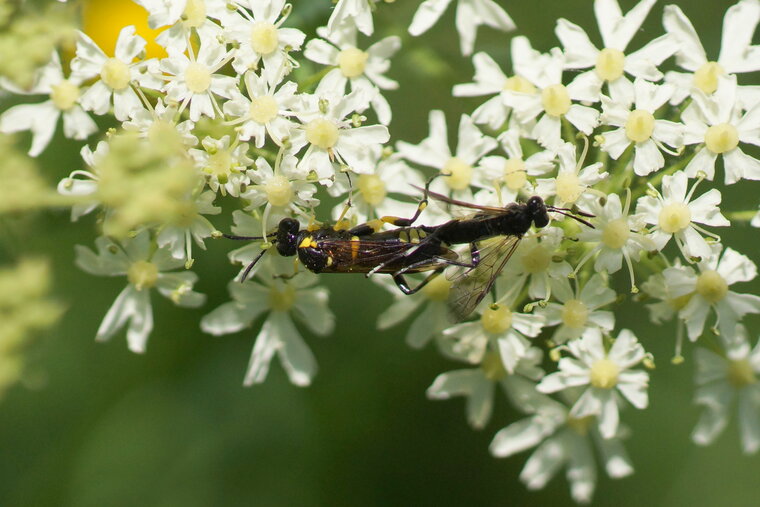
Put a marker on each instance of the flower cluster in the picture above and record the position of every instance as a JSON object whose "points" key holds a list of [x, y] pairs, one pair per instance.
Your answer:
{"points": [[631, 134]]}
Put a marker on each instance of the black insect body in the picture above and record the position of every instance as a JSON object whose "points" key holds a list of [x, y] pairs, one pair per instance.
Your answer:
{"points": [[505, 227], [421, 248]]}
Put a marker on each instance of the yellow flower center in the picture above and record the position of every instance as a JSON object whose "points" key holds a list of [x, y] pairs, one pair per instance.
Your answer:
{"points": [[115, 74], [580, 425], [515, 175], [279, 190], [352, 62], [282, 300], [555, 100], [195, 13], [64, 95], [492, 367], [610, 64], [569, 188], [220, 165], [711, 286], [536, 259], [706, 77], [519, 84], [142, 274], [197, 77], [674, 217], [639, 126], [616, 233], [372, 189], [721, 138], [740, 373], [679, 302], [437, 289], [604, 374], [458, 173], [322, 133], [263, 109], [575, 313], [496, 319], [264, 38]]}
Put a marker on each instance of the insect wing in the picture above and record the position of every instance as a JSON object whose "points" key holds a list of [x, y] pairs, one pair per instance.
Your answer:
{"points": [[470, 286], [362, 256]]}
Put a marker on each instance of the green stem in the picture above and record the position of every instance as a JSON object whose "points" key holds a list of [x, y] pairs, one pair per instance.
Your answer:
{"points": [[307, 83]]}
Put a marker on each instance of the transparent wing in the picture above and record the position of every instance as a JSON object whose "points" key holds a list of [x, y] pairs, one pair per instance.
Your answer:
{"points": [[470, 285]]}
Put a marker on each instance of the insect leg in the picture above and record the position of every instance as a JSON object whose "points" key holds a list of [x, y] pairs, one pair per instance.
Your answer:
{"points": [[404, 286], [406, 222], [474, 255]]}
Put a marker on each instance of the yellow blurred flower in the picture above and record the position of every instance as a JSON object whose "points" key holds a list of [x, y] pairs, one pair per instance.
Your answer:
{"points": [[103, 19]]}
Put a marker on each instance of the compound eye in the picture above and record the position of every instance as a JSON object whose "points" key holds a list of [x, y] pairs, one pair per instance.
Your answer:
{"points": [[289, 225]]}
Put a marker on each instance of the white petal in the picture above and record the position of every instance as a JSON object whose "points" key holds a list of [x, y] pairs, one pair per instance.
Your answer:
{"points": [[426, 15]]}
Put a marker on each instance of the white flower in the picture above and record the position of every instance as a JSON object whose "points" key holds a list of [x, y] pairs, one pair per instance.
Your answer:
{"points": [[192, 80], [434, 151], [376, 194], [552, 103], [478, 384], [736, 54], [720, 380], [579, 310], [572, 183], [262, 39], [332, 137], [82, 183], [539, 259], [470, 14], [561, 440], [429, 320], [674, 214], [637, 125], [710, 289], [499, 327], [117, 74], [284, 298], [41, 119], [610, 63], [511, 175], [148, 123], [714, 124], [281, 190], [185, 17], [178, 238], [363, 69], [352, 12], [607, 374], [265, 111], [616, 235], [145, 268], [223, 164], [490, 79]]}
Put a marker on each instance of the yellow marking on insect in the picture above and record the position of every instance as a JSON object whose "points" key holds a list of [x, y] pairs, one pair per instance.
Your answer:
{"points": [[403, 236], [414, 236], [329, 261], [390, 219], [307, 242], [375, 225], [422, 234], [422, 206], [355, 240], [342, 225]]}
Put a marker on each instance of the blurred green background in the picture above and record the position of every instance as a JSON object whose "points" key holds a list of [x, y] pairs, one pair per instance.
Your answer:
{"points": [[96, 425]]}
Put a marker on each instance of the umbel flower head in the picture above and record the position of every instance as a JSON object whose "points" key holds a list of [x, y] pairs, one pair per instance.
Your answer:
{"points": [[252, 124]]}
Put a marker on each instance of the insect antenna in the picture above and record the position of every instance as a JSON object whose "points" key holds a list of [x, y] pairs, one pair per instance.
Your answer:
{"points": [[248, 238], [574, 215], [251, 265]]}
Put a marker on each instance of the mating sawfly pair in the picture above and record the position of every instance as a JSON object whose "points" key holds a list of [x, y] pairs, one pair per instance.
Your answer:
{"points": [[410, 248]]}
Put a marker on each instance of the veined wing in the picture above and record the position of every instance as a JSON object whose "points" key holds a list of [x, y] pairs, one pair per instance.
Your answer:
{"points": [[362, 255], [470, 286]]}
